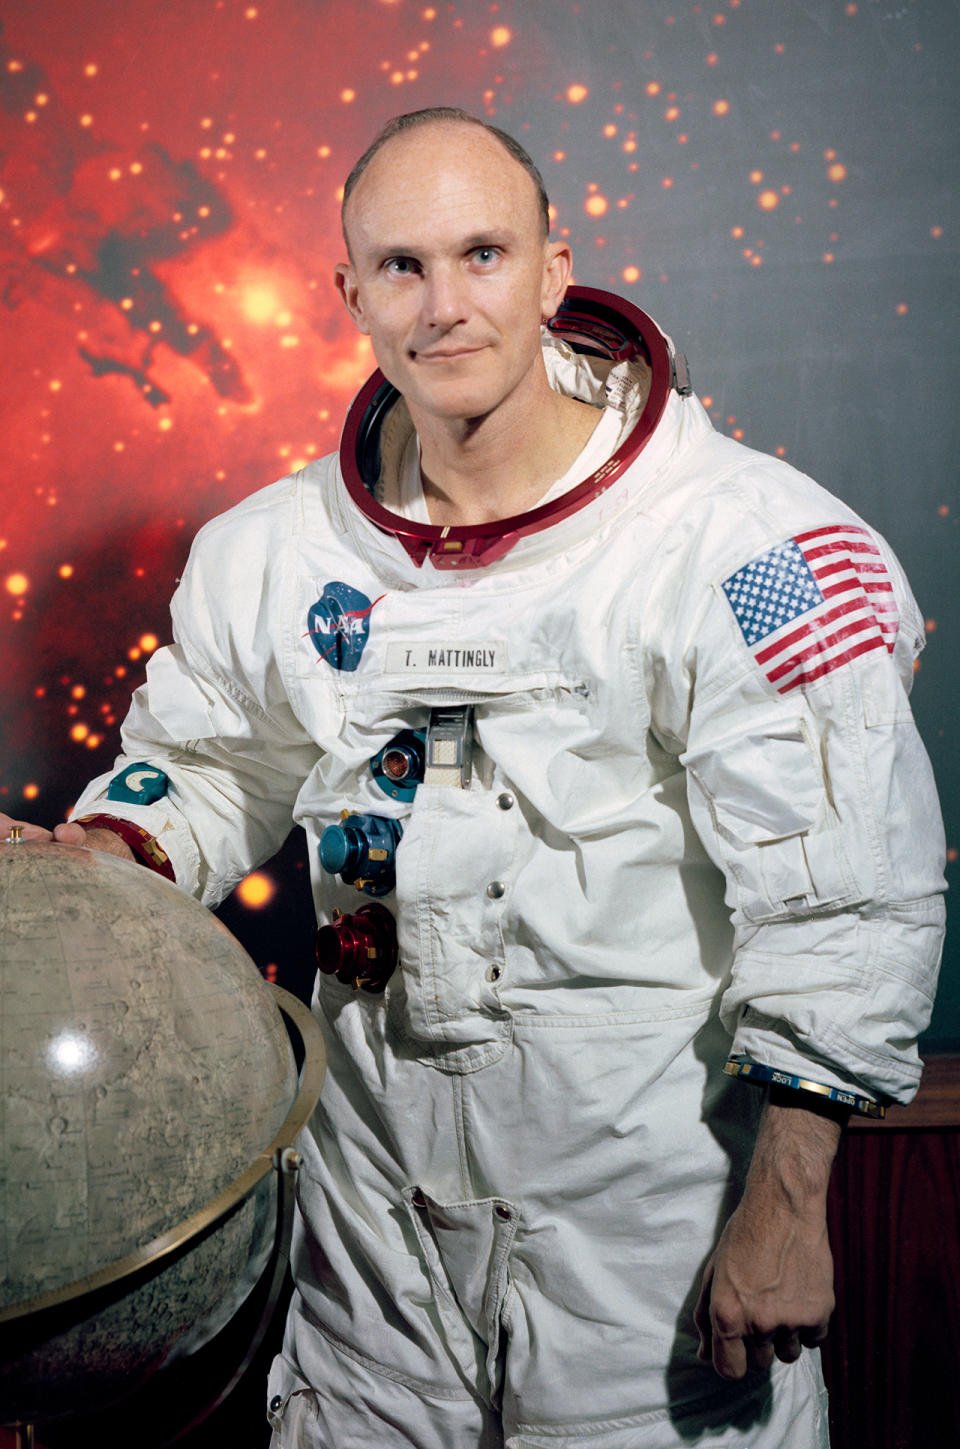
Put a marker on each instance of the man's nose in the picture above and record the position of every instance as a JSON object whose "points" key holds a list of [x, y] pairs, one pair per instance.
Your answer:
{"points": [[444, 297]]}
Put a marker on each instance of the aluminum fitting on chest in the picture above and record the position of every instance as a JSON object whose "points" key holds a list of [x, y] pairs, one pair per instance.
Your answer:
{"points": [[361, 850], [449, 742], [398, 767], [360, 950]]}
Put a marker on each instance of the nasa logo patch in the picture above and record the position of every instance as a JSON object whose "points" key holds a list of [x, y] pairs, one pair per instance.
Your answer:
{"points": [[339, 625], [139, 784]]}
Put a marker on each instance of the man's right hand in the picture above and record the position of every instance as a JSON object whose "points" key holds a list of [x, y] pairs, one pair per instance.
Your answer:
{"points": [[70, 834]]}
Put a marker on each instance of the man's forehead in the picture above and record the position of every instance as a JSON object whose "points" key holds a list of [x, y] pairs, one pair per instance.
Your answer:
{"points": [[438, 162]]}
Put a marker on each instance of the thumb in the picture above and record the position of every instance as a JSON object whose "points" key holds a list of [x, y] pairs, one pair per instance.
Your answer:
{"points": [[69, 834]]}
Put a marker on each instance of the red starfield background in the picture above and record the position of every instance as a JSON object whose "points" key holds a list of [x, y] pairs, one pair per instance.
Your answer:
{"points": [[770, 181]]}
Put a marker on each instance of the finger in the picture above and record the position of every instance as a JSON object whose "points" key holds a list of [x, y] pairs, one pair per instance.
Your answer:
{"points": [[810, 1337], [701, 1316], [729, 1357], [788, 1347], [69, 834], [760, 1352]]}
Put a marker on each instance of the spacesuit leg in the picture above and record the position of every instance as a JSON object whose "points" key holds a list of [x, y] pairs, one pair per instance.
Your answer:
{"points": [[371, 1358], [359, 1405], [794, 1416], [613, 1211]]}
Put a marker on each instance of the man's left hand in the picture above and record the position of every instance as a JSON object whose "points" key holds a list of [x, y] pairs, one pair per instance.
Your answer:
{"points": [[768, 1287]]}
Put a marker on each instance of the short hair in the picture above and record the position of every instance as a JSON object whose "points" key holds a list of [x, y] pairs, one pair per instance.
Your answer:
{"points": [[426, 117]]}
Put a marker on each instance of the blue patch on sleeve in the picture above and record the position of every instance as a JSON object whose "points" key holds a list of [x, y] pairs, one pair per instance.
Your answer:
{"points": [[139, 784]]}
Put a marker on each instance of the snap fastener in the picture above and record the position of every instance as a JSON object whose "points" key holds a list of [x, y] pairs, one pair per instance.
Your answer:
{"points": [[418, 1199], [494, 973], [505, 801], [276, 1403], [496, 889], [502, 1212]]}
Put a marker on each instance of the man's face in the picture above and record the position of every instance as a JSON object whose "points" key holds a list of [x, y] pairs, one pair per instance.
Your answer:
{"points": [[451, 276]]}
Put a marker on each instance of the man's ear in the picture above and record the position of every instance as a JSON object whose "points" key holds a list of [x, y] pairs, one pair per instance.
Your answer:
{"points": [[557, 276], [345, 281]]}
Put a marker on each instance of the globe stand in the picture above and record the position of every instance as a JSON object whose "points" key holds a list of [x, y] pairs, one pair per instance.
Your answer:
{"points": [[35, 1320]]}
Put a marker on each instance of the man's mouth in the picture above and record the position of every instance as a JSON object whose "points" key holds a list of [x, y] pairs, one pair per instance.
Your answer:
{"points": [[445, 354]]}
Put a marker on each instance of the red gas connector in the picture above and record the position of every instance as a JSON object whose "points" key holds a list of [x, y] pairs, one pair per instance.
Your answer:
{"points": [[360, 950]]}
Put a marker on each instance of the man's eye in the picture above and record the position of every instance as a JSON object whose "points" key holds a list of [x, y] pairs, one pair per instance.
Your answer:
{"points": [[401, 266], [485, 255]]}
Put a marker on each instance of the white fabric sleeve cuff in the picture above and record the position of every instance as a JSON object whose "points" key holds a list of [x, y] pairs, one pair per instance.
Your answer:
{"points": [[161, 821]]}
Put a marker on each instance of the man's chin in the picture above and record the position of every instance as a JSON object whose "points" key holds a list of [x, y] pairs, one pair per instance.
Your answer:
{"points": [[452, 403]]}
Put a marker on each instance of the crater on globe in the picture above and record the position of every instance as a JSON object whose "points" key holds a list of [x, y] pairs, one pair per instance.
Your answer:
{"points": [[144, 1065]]}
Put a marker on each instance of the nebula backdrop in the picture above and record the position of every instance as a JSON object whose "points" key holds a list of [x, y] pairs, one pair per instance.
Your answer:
{"points": [[774, 182]]}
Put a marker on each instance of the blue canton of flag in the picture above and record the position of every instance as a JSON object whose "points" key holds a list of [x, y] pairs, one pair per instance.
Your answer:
{"points": [[771, 590], [813, 603]]}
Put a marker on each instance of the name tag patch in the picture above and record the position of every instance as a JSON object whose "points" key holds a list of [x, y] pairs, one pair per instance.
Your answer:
{"points": [[446, 658]]}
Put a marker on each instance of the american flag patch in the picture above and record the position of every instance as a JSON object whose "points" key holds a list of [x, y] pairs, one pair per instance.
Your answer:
{"points": [[814, 603]]}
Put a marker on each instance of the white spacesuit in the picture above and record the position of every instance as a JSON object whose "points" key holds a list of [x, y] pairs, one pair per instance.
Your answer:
{"points": [[683, 815]]}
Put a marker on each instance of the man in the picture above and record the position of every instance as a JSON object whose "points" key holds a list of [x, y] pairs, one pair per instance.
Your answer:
{"points": [[617, 712]]}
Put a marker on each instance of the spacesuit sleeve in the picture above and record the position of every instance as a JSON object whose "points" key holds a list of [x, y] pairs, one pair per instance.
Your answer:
{"points": [[811, 790], [213, 755]]}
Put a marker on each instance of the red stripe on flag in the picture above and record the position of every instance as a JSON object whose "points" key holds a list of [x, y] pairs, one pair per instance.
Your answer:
{"points": [[839, 565], [820, 646], [828, 530], [807, 676], [849, 545], [829, 591], [762, 655]]}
